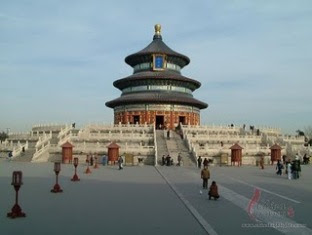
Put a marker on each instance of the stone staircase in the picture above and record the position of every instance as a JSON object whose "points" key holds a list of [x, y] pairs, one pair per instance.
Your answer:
{"points": [[28, 154], [175, 146], [161, 145]]}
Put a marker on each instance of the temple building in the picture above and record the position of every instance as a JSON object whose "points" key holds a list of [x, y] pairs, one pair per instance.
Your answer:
{"points": [[155, 95], [156, 92]]}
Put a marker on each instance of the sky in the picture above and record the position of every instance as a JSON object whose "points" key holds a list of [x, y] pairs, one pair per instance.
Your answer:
{"points": [[59, 59]]}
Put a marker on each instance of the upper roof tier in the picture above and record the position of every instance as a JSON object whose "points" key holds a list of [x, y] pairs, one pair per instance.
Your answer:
{"points": [[157, 46]]}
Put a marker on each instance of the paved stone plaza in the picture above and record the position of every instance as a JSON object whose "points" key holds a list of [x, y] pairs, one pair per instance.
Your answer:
{"points": [[149, 200]]}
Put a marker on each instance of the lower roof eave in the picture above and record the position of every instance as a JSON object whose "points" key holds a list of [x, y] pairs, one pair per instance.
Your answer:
{"points": [[112, 104]]}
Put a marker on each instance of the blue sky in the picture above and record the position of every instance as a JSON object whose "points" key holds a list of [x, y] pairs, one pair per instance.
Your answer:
{"points": [[58, 59]]}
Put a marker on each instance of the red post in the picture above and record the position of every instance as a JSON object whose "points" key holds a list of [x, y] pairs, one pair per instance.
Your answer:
{"points": [[16, 210], [57, 187], [75, 177]]}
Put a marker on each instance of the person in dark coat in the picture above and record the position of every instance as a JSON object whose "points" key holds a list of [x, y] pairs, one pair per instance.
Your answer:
{"points": [[305, 159], [163, 160], [91, 161], [262, 162], [296, 168], [213, 191], [205, 163], [120, 161], [10, 155], [199, 161], [279, 167], [168, 161], [179, 159]]}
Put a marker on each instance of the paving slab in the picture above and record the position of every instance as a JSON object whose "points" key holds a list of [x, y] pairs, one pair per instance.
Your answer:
{"points": [[135, 200], [237, 186]]}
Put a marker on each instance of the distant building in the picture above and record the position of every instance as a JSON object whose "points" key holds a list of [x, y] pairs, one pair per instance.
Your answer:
{"points": [[156, 92]]}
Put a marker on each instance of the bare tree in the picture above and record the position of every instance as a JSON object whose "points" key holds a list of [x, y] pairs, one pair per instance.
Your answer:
{"points": [[3, 136], [300, 133]]}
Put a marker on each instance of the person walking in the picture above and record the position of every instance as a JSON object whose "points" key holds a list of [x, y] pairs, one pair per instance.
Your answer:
{"points": [[120, 161], [279, 167], [213, 191], [206, 162], [305, 159], [179, 159], [262, 163], [199, 162], [288, 166], [296, 167], [205, 175]]}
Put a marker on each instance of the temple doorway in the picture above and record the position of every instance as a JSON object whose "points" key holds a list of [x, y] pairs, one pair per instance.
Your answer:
{"points": [[159, 122], [182, 120], [136, 119]]}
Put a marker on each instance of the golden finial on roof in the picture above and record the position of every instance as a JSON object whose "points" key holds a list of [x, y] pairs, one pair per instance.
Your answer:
{"points": [[157, 29]]}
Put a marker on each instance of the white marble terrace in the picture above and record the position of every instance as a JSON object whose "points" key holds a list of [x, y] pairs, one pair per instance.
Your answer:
{"points": [[43, 143], [214, 141]]}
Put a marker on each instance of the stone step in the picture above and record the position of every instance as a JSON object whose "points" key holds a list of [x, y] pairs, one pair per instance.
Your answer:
{"points": [[177, 146], [161, 145], [25, 156]]}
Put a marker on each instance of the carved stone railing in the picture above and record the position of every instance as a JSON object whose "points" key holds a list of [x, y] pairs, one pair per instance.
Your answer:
{"points": [[43, 140], [224, 138], [19, 149], [294, 139], [155, 146], [42, 148], [123, 127], [97, 147], [19, 136], [66, 131], [4, 145], [42, 154]]}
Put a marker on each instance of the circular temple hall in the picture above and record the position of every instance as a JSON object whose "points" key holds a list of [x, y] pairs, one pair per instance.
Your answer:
{"points": [[157, 92]]}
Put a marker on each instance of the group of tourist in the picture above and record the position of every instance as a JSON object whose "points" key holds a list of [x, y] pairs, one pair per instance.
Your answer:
{"points": [[168, 161], [205, 162], [90, 160], [292, 168]]}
